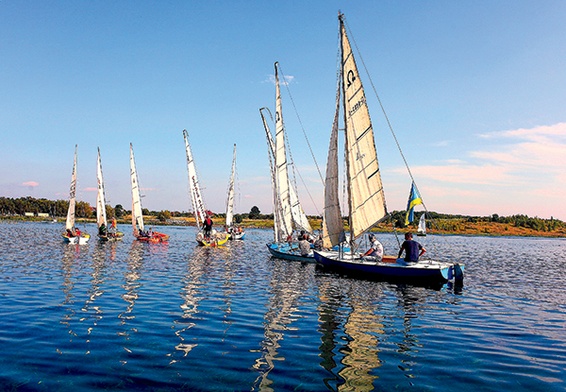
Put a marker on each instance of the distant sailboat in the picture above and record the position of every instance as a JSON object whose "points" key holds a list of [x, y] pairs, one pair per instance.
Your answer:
{"points": [[366, 197], [236, 233], [421, 229], [71, 233], [200, 212], [104, 232], [137, 216], [288, 214]]}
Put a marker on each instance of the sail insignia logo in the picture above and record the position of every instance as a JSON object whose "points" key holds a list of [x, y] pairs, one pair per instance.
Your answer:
{"points": [[356, 106]]}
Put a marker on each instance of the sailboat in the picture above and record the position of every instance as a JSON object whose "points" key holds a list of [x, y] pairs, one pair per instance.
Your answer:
{"points": [[200, 212], [104, 232], [288, 214], [137, 216], [421, 228], [71, 234], [366, 197], [236, 233]]}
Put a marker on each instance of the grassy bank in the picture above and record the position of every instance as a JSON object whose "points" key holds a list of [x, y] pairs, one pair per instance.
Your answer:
{"points": [[439, 226]]}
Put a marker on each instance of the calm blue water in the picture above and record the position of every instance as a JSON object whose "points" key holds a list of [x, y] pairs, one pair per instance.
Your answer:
{"points": [[125, 316]]}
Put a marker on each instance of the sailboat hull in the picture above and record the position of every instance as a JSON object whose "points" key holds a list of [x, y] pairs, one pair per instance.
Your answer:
{"points": [[82, 240], [237, 236], [153, 238], [216, 239], [391, 269], [111, 237], [289, 252]]}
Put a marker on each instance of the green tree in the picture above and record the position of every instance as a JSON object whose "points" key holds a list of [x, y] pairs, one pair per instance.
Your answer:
{"points": [[164, 215], [119, 211], [254, 213]]}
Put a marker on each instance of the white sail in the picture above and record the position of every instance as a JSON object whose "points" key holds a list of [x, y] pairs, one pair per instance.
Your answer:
{"points": [[230, 197], [278, 229], [332, 226], [421, 229], [70, 223], [366, 198], [300, 219], [282, 175], [194, 187], [100, 197], [137, 215]]}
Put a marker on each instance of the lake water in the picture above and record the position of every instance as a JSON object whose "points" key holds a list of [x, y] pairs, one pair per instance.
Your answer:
{"points": [[164, 317]]}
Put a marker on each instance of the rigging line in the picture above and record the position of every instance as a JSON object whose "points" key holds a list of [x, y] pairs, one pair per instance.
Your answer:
{"points": [[301, 123], [383, 109]]}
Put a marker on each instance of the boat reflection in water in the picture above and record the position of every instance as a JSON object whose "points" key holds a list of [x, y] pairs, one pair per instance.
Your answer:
{"points": [[131, 287], [190, 294], [353, 357], [286, 287]]}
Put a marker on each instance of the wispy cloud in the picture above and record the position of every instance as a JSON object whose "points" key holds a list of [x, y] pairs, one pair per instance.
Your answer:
{"points": [[285, 80], [30, 184], [522, 172]]}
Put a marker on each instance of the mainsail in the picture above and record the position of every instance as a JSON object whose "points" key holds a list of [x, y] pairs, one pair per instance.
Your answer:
{"points": [[194, 187], [282, 176], [332, 226], [366, 198], [287, 210], [230, 197], [100, 197], [278, 228], [137, 215], [70, 222]]}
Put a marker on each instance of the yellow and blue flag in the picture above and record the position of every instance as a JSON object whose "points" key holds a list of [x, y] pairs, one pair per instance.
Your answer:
{"points": [[414, 200]]}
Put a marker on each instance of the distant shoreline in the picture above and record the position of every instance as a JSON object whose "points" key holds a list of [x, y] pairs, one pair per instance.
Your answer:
{"points": [[443, 226]]}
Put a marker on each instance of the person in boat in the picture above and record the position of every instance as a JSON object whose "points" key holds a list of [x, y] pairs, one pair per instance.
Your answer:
{"points": [[70, 233], [413, 250], [113, 226], [207, 227], [77, 232], [304, 245], [102, 230], [375, 252], [318, 243]]}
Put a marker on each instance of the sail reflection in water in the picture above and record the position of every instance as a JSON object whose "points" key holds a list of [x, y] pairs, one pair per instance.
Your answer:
{"points": [[131, 286], [354, 356], [286, 287], [191, 296]]}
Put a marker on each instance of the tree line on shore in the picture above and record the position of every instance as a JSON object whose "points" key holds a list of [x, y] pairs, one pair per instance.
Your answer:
{"points": [[449, 222]]}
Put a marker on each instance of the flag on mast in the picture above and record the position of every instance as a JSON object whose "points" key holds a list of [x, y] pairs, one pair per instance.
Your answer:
{"points": [[414, 200]]}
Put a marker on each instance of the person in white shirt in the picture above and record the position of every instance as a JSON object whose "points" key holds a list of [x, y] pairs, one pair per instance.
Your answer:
{"points": [[375, 252]]}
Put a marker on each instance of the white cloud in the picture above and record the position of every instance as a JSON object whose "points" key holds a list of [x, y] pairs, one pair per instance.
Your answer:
{"points": [[523, 172]]}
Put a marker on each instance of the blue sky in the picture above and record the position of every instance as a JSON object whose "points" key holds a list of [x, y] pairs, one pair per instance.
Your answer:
{"points": [[475, 92]]}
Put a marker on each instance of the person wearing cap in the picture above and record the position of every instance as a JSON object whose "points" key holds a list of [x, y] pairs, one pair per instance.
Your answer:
{"points": [[375, 252]]}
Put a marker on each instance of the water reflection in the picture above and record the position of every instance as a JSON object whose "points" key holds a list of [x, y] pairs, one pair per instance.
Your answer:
{"points": [[288, 282], [351, 341], [95, 291], [190, 295], [131, 286], [71, 253]]}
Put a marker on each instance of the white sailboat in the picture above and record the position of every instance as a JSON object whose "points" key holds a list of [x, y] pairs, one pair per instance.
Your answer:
{"points": [[288, 214], [200, 212], [71, 233], [137, 216], [421, 229], [236, 233], [366, 197], [105, 233]]}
